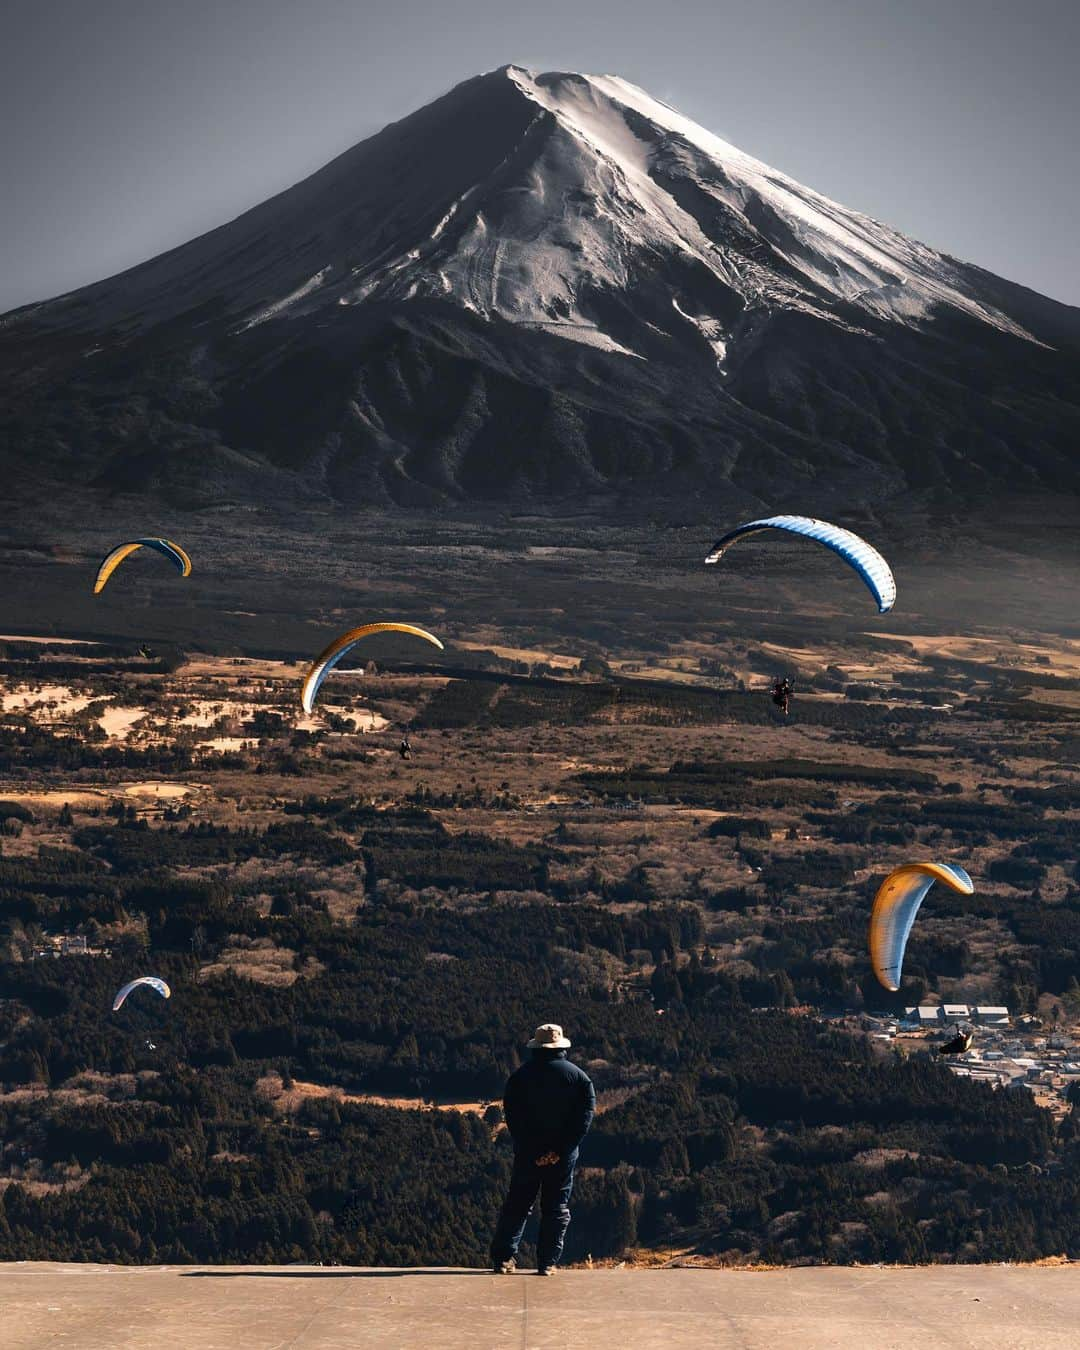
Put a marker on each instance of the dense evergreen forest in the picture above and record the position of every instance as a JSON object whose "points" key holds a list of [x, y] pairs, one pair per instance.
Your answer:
{"points": [[740, 1130], [737, 1128]]}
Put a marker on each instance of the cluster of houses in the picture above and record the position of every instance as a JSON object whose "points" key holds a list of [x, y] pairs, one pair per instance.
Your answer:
{"points": [[65, 944], [1017, 1054], [983, 1015]]}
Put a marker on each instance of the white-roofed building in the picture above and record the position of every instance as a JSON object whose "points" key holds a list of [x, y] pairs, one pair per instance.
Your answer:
{"points": [[955, 1012], [988, 1015]]}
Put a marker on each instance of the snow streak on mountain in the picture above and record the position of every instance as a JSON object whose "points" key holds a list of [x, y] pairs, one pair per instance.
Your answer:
{"points": [[414, 322]]}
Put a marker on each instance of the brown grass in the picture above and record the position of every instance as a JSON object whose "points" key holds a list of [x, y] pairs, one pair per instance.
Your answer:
{"points": [[259, 960], [289, 1100]]}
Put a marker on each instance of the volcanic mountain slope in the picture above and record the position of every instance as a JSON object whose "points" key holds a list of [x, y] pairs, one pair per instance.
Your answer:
{"points": [[539, 287]]}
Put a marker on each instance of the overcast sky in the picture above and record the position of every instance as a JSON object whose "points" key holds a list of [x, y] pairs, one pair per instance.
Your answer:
{"points": [[129, 126]]}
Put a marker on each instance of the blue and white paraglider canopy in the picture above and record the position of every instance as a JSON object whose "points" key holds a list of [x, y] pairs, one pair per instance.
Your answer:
{"points": [[863, 557]]}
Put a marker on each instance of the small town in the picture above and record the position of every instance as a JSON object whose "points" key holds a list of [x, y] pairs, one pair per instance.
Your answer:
{"points": [[1017, 1054]]}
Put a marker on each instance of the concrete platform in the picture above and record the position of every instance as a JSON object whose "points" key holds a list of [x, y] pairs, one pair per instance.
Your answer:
{"points": [[273, 1307]]}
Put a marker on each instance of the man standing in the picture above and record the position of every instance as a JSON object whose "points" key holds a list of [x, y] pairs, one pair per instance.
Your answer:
{"points": [[549, 1105]]}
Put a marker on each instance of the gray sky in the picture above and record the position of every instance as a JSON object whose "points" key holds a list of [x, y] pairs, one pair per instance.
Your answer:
{"points": [[129, 126]]}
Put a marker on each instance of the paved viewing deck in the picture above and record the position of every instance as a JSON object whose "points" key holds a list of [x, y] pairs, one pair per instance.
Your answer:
{"points": [[258, 1307]]}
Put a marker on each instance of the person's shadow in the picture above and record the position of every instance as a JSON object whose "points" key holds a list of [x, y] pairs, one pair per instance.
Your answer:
{"points": [[333, 1273]]}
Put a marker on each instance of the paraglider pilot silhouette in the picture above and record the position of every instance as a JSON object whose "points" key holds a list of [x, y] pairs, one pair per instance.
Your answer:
{"points": [[781, 694], [549, 1105]]}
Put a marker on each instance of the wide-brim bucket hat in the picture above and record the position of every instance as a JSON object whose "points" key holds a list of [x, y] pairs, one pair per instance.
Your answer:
{"points": [[549, 1037]]}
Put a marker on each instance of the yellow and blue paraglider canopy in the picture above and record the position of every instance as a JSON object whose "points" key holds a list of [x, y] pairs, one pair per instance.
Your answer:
{"points": [[112, 561], [152, 981], [863, 557], [328, 659], [895, 907]]}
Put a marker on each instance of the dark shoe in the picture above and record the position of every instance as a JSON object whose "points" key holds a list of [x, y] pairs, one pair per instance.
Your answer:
{"points": [[547, 1270], [506, 1267]]}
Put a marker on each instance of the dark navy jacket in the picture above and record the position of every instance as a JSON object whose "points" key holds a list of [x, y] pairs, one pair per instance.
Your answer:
{"points": [[549, 1105]]}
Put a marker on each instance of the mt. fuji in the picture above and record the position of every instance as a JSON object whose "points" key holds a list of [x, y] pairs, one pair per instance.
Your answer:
{"points": [[537, 287]]}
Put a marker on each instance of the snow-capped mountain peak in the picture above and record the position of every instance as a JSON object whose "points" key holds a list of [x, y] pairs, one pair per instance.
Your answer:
{"points": [[614, 189], [574, 204]]}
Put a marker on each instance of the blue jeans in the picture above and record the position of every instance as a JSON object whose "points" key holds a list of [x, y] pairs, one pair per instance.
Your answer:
{"points": [[554, 1184]]}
